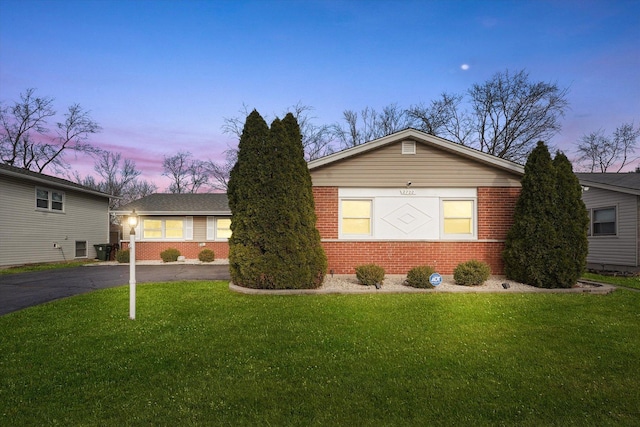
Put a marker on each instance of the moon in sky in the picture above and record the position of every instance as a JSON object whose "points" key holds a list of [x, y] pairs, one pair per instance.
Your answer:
{"points": [[464, 67]]}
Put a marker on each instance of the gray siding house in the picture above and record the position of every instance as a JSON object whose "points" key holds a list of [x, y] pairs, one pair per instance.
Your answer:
{"points": [[613, 202], [45, 219]]}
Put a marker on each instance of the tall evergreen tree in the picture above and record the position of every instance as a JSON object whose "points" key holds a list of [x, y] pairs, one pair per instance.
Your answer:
{"points": [[274, 244], [571, 222], [531, 241]]}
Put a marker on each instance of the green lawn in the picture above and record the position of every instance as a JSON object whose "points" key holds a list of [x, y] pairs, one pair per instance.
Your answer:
{"points": [[45, 266], [201, 355], [627, 282]]}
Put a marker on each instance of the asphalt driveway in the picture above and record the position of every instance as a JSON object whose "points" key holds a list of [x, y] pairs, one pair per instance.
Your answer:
{"points": [[18, 291]]}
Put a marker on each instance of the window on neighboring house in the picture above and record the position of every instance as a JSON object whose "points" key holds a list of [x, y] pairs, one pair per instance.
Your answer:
{"points": [[174, 229], [356, 217], [50, 200], [457, 217], [152, 229], [169, 228], [604, 221], [81, 248], [218, 228]]}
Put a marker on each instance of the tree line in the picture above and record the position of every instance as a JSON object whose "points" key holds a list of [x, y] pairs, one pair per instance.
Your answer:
{"points": [[504, 116]]}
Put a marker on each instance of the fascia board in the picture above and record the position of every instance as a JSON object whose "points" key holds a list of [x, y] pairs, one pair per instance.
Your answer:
{"points": [[587, 183], [49, 183]]}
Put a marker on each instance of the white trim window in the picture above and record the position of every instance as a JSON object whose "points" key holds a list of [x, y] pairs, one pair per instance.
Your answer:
{"points": [[81, 249], [355, 217], [218, 228], [458, 219], [604, 221], [49, 200], [178, 228]]}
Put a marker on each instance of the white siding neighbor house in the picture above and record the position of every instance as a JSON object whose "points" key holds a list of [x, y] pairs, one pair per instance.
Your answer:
{"points": [[46, 219], [613, 202]]}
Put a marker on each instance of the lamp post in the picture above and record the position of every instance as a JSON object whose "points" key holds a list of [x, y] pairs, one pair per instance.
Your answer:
{"points": [[133, 222]]}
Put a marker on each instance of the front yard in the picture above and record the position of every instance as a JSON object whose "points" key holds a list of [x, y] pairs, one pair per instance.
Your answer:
{"points": [[201, 355]]}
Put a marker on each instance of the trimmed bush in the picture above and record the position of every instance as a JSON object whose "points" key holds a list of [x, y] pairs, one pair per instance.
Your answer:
{"points": [[471, 273], [418, 277], [370, 274], [207, 255], [122, 256], [170, 255]]}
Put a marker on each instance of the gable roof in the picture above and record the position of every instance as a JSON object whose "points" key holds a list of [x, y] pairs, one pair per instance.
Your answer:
{"points": [[47, 180], [425, 138], [621, 182], [178, 204]]}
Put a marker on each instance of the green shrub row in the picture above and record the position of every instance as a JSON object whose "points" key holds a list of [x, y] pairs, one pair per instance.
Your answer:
{"points": [[169, 255], [469, 273]]}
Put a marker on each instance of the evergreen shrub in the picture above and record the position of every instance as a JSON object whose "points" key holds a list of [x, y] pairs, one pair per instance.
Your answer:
{"points": [[370, 274], [418, 277], [122, 256], [206, 255], [471, 273], [170, 255]]}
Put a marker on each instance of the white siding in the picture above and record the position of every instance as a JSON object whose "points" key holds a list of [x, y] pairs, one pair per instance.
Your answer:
{"points": [[621, 249], [28, 235]]}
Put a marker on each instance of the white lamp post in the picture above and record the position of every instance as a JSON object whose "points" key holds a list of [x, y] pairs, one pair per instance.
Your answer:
{"points": [[133, 222]]}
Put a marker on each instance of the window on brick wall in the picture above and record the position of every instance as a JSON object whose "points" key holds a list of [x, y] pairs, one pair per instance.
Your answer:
{"points": [[356, 217], [458, 219]]}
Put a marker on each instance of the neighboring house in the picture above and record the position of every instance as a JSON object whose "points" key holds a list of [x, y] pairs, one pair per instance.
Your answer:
{"points": [[45, 219], [187, 222], [412, 199], [613, 202]]}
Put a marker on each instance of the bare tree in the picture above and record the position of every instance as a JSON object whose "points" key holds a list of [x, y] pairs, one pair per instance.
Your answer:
{"points": [[187, 175], [219, 171], [119, 179], [511, 114], [598, 152], [369, 124], [443, 117], [25, 140], [317, 140]]}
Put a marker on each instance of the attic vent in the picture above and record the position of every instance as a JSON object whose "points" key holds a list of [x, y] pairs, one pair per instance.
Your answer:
{"points": [[408, 147]]}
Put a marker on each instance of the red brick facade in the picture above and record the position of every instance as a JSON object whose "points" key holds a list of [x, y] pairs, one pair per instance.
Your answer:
{"points": [[495, 216]]}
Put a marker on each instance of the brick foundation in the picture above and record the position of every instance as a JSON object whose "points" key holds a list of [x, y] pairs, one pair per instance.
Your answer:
{"points": [[146, 251]]}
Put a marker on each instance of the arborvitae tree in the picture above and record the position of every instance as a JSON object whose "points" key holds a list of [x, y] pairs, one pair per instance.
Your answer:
{"points": [[274, 244], [531, 241], [571, 221]]}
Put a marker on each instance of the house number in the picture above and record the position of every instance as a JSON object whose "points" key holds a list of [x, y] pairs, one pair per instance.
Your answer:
{"points": [[408, 192]]}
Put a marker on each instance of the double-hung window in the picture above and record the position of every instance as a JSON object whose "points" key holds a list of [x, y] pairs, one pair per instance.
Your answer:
{"points": [[356, 217], [218, 228], [169, 229], [603, 222], [458, 218], [49, 200]]}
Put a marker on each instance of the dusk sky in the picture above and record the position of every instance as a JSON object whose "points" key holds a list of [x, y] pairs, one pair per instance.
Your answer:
{"points": [[160, 76]]}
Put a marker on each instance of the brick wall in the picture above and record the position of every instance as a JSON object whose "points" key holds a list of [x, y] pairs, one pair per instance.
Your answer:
{"points": [[190, 250], [495, 216]]}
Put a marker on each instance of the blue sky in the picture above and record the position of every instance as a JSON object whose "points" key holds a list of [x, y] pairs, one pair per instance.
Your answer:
{"points": [[160, 76]]}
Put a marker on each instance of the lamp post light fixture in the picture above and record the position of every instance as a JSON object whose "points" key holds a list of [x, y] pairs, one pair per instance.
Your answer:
{"points": [[133, 222]]}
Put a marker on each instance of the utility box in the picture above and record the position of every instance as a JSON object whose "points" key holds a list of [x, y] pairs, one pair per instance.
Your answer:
{"points": [[103, 251]]}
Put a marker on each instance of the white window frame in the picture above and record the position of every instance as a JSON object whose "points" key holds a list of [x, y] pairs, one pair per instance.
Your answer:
{"points": [[187, 229], [592, 221], [474, 220], [212, 228], [86, 250], [371, 233], [50, 200]]}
